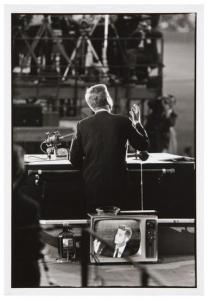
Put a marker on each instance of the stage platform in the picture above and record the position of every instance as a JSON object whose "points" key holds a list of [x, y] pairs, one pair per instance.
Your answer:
{"points": [[170, 271], [172, 194]]}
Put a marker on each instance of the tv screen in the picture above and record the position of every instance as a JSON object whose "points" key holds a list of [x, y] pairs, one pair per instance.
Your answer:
{"points": [[124, 236], [121, 237]]}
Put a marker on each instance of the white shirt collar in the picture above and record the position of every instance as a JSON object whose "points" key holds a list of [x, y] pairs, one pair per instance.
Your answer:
{"points": [[101, 109], [120, 250]]}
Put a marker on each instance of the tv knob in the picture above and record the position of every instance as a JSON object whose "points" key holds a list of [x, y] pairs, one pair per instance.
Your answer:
{"points": [[150, 238]]}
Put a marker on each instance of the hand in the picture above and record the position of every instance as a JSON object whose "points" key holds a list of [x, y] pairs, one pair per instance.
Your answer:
{"points": [[135, 114]]}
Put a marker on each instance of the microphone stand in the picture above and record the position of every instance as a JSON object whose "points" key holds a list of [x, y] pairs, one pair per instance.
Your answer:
{"points": [[141, 186], [52, 141], [143, 155]]}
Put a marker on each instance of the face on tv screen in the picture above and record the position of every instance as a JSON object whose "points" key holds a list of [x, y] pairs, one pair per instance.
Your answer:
{"points": [[123, 236]]}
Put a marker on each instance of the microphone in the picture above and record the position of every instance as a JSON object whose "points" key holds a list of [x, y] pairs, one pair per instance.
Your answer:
{"points": [[65, 136], [56, 137], [143, 155]]}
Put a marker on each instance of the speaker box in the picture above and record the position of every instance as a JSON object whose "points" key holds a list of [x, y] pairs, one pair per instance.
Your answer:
{"points": [[27, 115]]}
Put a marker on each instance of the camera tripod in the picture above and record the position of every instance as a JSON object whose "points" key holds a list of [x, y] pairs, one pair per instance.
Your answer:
{"points": [[81, 42], [44, 32]]}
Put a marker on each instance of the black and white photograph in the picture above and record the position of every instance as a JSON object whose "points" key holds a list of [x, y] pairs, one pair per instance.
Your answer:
{"points": [[103, 149]]}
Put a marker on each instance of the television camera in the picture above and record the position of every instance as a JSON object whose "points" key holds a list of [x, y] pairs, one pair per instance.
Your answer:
{"points": [[69, 43]]}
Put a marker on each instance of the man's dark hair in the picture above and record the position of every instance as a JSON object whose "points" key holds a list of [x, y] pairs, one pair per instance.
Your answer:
{"points": [[127, 230]]}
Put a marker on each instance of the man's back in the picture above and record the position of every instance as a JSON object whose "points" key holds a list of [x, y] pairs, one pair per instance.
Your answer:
{"points": [[104, 139], [99, 149]]}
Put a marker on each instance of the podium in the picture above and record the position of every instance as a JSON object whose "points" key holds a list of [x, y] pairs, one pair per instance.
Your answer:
{"points": [[169, 186]]}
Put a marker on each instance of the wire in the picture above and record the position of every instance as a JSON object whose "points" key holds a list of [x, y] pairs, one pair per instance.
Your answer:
{"points": [[41, 147], [142, 188]]}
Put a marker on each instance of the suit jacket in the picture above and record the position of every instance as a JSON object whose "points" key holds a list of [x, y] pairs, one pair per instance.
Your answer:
{"points": [[99, 150], [26, 241], [130, 249]]}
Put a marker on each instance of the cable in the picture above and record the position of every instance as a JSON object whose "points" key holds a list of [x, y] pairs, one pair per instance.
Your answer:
{"points": [[41, 147], [142, 188]]}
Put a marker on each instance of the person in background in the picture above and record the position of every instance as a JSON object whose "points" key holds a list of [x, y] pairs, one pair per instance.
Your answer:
{"points": [[26, 232], [160, 125], [99, 149]]}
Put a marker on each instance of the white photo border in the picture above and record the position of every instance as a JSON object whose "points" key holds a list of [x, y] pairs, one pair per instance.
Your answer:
{"points": [[161, 8]]}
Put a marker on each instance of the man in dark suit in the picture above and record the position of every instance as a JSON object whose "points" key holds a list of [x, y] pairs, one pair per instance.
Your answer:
{"points": [[99, 149], [122, 246], [26, 232]]}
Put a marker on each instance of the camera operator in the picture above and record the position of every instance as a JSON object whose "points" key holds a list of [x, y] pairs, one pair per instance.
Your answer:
{"points": [[20, 24], [126, 25], [66, 29], [43, 48], [70, 30], [142, 50]]}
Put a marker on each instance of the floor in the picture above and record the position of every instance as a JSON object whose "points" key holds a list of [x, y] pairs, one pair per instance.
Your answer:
{"points": [[171, 271]]}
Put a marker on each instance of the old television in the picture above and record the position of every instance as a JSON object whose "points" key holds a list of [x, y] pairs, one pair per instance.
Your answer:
{"points": [[123, 238]]}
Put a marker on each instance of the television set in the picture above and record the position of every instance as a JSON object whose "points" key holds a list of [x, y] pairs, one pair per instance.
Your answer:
{"points": [[123, 238]]}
